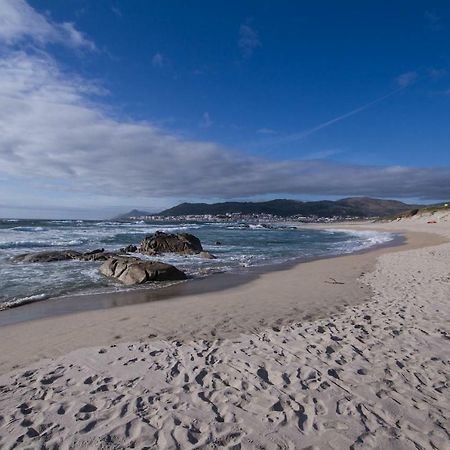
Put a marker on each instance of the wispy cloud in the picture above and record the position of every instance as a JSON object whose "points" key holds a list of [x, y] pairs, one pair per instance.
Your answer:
{"points": [[116, 11], [407, 79], [266, 131], [159, 60], [433, 20], [19, 21], [323, 154], [436, 74], [205, 121], [248, 40]]}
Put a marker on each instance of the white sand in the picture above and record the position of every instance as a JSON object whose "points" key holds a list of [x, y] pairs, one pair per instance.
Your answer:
{"points": [[373, 376]]}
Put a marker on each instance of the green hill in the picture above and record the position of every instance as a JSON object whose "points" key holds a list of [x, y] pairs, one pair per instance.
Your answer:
{"points": [[354, 206]]}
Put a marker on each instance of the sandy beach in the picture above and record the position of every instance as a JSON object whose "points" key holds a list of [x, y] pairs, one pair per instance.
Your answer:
{"points": [[289, 359]]}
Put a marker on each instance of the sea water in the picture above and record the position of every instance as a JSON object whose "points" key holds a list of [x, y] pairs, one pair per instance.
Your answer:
{"points": [[236, 246]]}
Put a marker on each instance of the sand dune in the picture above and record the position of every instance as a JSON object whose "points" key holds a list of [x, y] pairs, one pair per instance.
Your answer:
{"points": [[375, 376]]}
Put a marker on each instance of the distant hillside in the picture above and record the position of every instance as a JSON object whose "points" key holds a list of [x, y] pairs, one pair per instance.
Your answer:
{"points": [[132, 213], [355, 206]]}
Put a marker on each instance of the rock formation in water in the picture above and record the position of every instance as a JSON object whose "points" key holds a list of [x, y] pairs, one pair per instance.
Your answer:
{"points": [[182, 243], [63, 255], [131, 271]]}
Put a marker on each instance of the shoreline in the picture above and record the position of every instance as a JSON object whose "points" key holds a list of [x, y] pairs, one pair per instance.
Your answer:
{"points": [[90, 301], [270, 300]]}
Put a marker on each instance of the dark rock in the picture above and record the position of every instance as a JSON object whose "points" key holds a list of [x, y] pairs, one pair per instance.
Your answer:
{"points": [[183, 243], [131, 271], [48, 256], [96, 256], [218, 243], [63, 255], [94, 252], [128, 249]]}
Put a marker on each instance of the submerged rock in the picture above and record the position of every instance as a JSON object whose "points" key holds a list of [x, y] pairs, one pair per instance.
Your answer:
{"points": [[131, 271], [182, 243]]}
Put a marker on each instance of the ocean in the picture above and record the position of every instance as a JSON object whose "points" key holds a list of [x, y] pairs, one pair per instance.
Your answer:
{"points": [[236, 245]]}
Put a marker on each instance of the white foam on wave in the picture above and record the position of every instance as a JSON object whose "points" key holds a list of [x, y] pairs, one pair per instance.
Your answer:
{"points": [[366, 239], [42, 243], [28, 228], [23, 301]]}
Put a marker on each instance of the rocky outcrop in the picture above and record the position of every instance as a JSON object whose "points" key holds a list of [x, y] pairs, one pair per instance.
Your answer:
{"points": [[63, 255], [48, 256], [131, 271], [182, 243]]}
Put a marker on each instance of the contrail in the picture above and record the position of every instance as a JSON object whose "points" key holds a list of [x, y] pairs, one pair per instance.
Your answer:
{"points": [[303, 134]]}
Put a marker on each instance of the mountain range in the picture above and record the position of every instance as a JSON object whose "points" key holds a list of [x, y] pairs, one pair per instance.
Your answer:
{"points": [[353, 206]]}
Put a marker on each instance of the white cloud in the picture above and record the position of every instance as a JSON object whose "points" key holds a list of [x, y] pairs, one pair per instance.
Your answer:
{"points": [[19, 21], [206, 121], [51, 129], [407, 79], [75, 37], [248, 40]]}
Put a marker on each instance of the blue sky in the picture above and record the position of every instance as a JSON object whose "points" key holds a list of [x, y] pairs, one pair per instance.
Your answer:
{"points": [[110, 105]]}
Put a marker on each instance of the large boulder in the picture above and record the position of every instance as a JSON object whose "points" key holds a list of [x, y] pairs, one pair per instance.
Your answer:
{"points": [[182, 243], [131, 271]]}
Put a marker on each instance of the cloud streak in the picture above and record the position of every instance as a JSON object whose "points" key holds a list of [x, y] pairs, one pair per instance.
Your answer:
{"points": [[248, 40]]}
